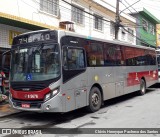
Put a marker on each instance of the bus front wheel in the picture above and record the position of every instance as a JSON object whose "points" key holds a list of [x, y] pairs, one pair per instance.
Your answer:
{"points": [[95, 100], [142, 87]]}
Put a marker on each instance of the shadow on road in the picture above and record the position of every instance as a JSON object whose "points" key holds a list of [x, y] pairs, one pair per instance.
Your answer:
{"points": [[157, 85]]}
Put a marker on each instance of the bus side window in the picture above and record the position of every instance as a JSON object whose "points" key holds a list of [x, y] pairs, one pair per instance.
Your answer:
{"points": [[72, 55], [110, 58], [73, 59]]}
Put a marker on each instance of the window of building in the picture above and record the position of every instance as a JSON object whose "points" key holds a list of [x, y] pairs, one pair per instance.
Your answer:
{"points": [[49, 6], [112, 29], [98, 22], [130, 35], [152, 29], [77, 15], [145, 24]]}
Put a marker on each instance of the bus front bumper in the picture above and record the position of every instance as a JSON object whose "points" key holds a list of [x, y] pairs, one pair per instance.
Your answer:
{"points": [[52, 105]]}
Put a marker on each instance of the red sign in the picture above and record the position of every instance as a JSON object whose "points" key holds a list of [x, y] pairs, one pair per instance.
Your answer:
{"points": [[25, 105]]}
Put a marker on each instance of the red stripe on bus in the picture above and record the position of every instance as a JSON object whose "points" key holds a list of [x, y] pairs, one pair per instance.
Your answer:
{"points": [[134, 78], [29, 95]]}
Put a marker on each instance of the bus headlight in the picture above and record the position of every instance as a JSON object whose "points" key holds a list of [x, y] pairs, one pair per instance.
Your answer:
{"points": [[51, 94], [47, 97], [54, 92]]}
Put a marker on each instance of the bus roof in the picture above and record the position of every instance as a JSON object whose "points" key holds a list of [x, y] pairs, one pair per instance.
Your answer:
{"points": [[74, 34], [108, 41]]}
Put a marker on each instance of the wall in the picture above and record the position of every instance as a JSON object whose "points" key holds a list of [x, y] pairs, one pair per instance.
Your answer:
{"points": [[147, 36], [4, 34], [158, 35]]}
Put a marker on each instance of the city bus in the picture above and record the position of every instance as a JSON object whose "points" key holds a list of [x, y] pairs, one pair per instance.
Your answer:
{"points": [[158, 60], [60, 71]]}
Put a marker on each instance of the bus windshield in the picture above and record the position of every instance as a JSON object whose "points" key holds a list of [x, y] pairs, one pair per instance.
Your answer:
{"points": [[35, 62]]}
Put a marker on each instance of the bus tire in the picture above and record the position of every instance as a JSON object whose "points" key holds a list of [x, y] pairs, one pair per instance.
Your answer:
{"points": [[95, 100], [142, 90]]}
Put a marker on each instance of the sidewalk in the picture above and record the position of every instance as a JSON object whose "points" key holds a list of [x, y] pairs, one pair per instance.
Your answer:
{"points": [[6, 109]]}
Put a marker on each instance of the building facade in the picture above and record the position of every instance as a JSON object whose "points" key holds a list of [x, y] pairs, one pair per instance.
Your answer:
{"points": [[146, 28], [88, 17], [158, 35]]}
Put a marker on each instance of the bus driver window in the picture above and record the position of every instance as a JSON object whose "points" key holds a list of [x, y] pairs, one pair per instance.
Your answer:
{"points": [[74, 59]]}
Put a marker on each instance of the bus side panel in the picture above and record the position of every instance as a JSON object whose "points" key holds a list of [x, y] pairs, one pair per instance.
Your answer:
{"points": [[134, 77], [120, 76], [104, 76], [75, 91]]}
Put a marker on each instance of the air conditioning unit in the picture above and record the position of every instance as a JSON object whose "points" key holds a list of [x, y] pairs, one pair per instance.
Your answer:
{"points": [[67, 25]]}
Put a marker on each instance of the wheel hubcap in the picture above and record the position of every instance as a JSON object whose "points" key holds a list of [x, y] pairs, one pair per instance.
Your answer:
{"points": [[142, 87], [95, 99]]}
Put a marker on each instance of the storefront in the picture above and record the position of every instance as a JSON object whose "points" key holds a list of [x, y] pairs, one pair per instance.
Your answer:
{"points": [[10, 26]]}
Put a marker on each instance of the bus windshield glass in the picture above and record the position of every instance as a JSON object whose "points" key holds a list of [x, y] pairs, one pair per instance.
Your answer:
{"points": [[35, 62]]}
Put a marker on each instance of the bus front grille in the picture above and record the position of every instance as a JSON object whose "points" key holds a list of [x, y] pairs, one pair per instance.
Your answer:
{"points": [[33, 104], [29, 87]]}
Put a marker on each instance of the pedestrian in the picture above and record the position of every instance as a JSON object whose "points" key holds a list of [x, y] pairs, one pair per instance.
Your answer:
{"points": [[2, 87], [2, 83]]}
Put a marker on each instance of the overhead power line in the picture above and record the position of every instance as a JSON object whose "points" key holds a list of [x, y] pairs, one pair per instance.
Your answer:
{"points": [[131, 6], [126, 7]]}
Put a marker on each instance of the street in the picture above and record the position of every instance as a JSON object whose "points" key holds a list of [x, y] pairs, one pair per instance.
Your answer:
{"points": [[129, 111]]}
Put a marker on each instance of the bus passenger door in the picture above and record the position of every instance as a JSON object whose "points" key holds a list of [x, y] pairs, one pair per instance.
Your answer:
{"points": [[80, 92], [74, 77]]}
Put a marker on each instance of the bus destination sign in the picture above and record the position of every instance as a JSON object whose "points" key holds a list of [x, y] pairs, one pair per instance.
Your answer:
{"points": [[34, 37]]}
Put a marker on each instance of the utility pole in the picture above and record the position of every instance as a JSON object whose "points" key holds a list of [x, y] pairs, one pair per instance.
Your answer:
{"points": [[117, 20]]}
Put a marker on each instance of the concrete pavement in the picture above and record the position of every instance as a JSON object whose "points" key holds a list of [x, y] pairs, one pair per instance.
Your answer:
{"points": [[6, 109]]}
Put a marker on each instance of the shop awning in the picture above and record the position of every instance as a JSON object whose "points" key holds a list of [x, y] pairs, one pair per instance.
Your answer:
{"points": [[20, 22]]}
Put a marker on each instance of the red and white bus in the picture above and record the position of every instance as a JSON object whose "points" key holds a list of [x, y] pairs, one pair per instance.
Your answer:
{"points": [[60, 71]]}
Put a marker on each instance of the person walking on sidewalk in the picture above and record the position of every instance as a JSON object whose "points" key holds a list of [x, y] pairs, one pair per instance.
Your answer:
{"points": [[2, 87]]}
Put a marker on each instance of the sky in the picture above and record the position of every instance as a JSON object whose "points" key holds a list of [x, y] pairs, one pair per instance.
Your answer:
{"points": [[153, 6]]}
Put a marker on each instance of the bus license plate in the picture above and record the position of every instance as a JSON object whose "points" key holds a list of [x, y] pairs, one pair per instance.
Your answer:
{"points": [[25, 105]]}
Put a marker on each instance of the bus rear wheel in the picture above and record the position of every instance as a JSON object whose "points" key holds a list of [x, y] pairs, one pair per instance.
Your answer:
{"points": [[142, 87], [95, 100]]}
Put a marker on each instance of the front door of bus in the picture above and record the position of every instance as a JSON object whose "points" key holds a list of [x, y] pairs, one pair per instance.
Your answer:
{"points": [[74, 77]]}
